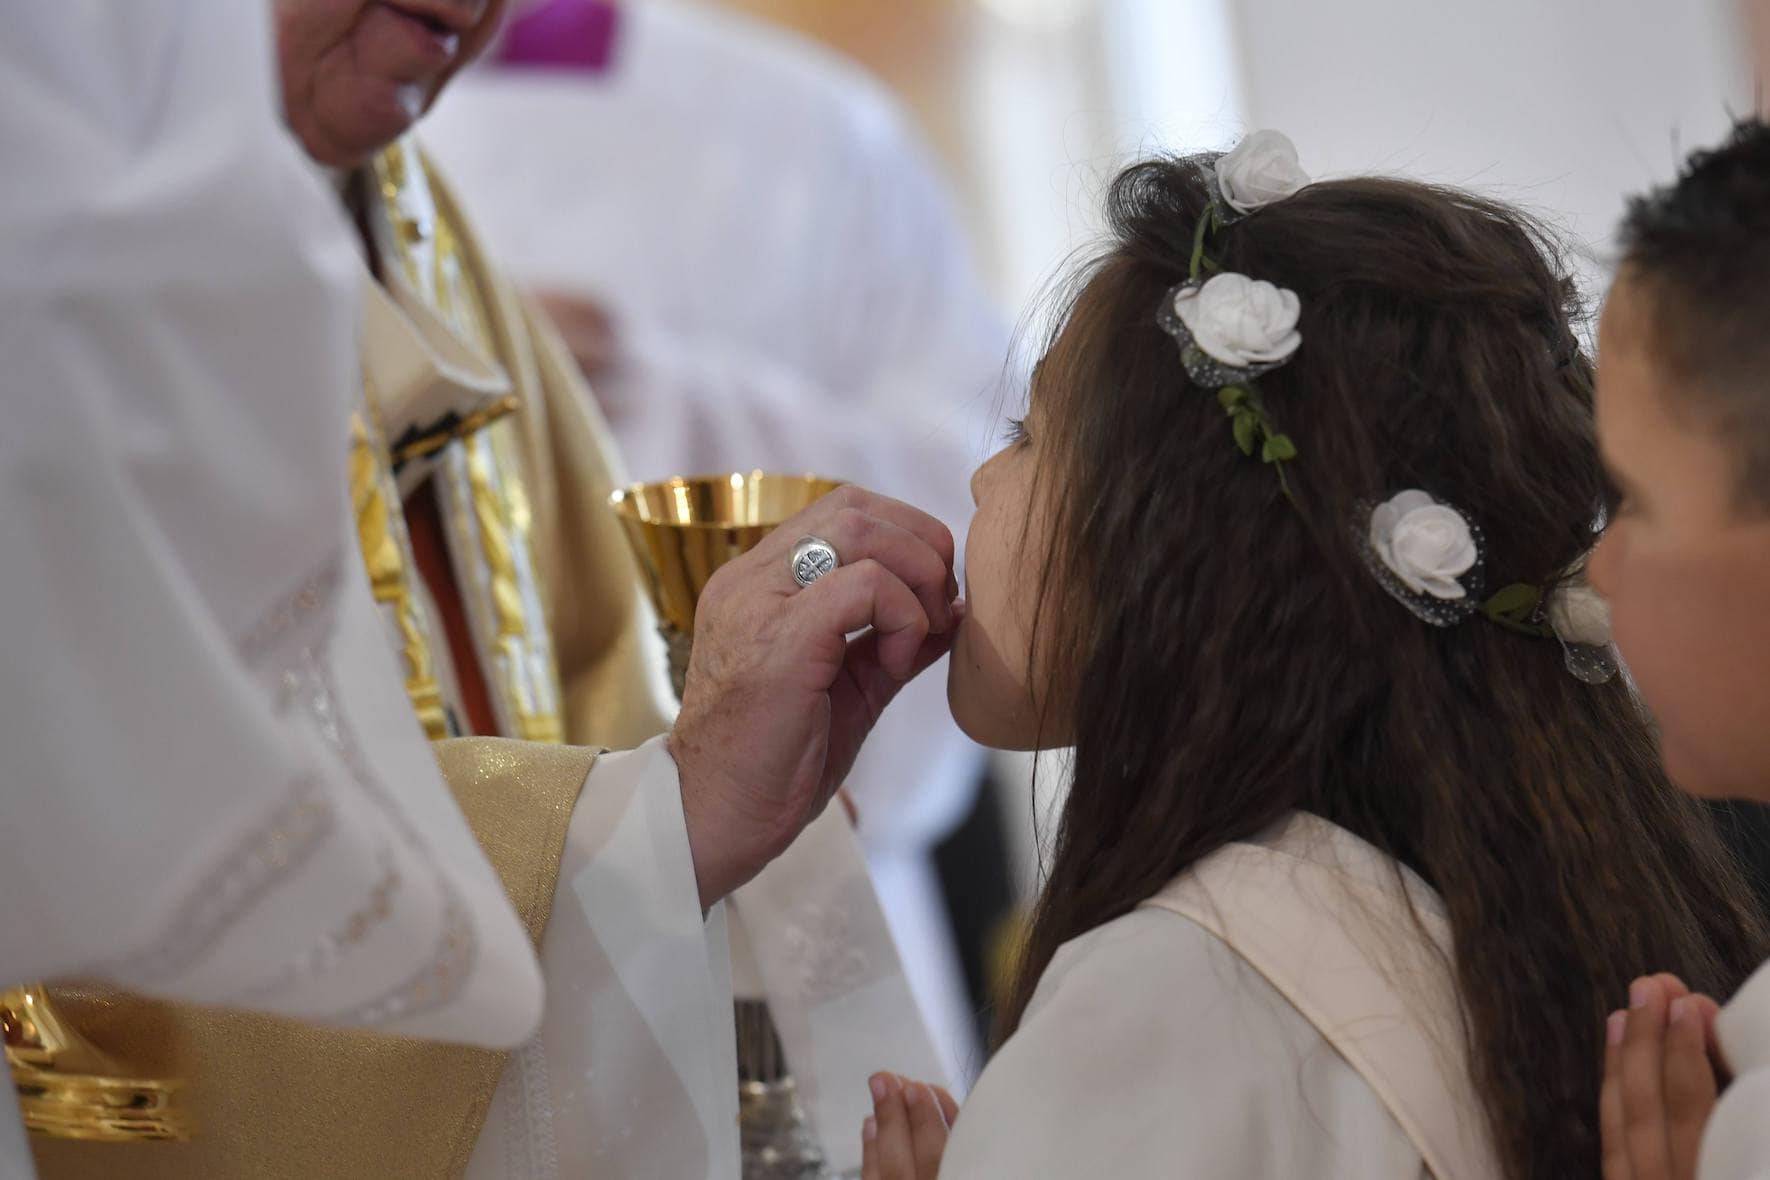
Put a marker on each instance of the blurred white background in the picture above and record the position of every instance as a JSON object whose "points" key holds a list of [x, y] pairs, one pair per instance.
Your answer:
{"points": [[1561, 105]]}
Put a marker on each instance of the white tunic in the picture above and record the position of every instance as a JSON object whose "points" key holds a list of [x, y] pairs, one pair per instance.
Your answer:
{"points": [[1286, 1048]]}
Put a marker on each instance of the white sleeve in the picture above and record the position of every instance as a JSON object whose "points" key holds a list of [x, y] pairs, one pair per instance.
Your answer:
{"points": [[212, 788], [634, 1071], [1150, 1049]]}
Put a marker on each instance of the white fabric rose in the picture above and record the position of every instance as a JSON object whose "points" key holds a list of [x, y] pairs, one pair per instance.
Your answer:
{"points": [[1426, 544], [1262, 169], [1240, 321], [1579, 614]]}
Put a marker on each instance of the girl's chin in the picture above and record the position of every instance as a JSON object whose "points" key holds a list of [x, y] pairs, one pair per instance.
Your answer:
{"points": [[989, 721], [988, 702]]}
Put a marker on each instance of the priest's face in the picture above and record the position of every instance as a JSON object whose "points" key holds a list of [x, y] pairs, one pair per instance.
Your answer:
{"points": [[358, 73], [1685, 562]]}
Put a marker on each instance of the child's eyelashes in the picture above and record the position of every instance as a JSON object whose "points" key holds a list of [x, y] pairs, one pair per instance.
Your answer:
{"points": [[1015, 435]]}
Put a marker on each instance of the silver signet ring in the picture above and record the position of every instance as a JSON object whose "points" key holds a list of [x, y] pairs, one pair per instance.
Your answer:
{"points": [[813, 557]]}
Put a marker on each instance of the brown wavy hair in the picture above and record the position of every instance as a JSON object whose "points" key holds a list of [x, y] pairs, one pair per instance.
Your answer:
{"points": [[1229, 659]]}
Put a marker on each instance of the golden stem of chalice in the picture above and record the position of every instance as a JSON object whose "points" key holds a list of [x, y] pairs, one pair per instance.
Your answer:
{"points": [[682, 531], [68, 1088]]}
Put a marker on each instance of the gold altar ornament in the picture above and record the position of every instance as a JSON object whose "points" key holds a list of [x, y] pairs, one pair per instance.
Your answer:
{"points": [[69, 1089]]}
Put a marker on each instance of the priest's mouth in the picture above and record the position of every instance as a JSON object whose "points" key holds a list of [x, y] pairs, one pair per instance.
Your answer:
{"points": [[441, 24]]}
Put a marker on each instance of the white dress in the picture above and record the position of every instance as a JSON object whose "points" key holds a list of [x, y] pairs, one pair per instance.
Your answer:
{"points": [[1151, 1048]]}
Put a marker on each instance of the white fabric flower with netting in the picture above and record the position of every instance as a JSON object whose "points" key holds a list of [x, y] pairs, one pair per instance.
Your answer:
{"points": [[1428, 545], [1240, 322], [1261, 169], [1579, 614]]}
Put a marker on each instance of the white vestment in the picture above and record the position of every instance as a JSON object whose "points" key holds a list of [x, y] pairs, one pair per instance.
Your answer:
{"points": [[215, 788], [178, 321], [1256, 1039], [792, 290], [1736, 1144]]}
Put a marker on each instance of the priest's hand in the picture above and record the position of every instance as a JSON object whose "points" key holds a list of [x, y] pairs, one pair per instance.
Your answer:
{"points": [[779, 697], [906, 1136], [1661, 1076]]}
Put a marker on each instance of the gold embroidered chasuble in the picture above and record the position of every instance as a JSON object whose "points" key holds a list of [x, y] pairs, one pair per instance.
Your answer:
{"points": [[464, 386]]}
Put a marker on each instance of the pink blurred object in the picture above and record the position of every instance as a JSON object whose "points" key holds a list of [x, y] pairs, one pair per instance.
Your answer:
{"points": [[563, 34]]}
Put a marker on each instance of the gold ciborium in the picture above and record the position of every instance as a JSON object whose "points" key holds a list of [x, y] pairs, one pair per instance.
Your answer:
{"points": [[68, 1088], [683, 530]]}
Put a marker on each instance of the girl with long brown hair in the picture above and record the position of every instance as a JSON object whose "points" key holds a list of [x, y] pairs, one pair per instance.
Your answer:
{"points": [[1364, 835]]}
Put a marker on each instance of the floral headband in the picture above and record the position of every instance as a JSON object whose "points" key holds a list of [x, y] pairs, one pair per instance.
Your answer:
{"points": [[1234, 329], [1432, 560]]}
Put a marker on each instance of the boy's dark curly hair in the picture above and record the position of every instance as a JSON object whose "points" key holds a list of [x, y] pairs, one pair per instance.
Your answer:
{"points": [[1700, 250]]}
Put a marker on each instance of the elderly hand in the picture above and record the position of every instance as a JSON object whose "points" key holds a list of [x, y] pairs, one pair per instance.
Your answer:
{"points": [[906, 1136], [778, 697], [1661, 1076]]}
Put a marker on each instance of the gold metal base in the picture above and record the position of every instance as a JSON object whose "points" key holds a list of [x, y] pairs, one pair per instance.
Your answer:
{"points": [[69, 1089]]}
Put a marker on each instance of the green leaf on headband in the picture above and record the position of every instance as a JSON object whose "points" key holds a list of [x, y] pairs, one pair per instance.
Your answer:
{"points": [[1247, 430], [1279, 449], [1231, 396], [1198, 243], [1516, 602]]}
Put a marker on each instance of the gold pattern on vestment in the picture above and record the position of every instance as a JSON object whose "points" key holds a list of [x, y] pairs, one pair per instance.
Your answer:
{"points": [[282, 1100], [486, 509], [429, 444], [387, 553]]}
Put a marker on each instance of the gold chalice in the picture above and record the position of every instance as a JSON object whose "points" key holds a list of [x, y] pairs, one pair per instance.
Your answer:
{"points": [[68, 1088], [682, 531]]}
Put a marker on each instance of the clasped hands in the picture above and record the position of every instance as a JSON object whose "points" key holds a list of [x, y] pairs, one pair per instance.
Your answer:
{"points": [[1662, 1074], [906, 1134], [785, 683]]}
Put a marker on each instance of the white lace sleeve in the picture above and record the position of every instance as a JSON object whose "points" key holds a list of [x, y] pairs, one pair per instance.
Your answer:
{"points": [[211, 787]]}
